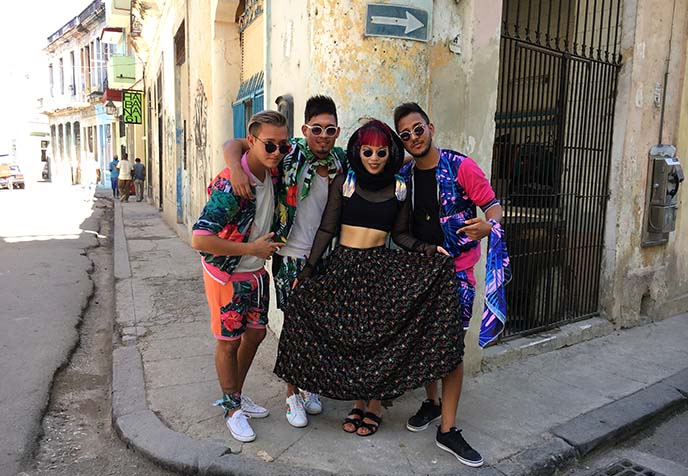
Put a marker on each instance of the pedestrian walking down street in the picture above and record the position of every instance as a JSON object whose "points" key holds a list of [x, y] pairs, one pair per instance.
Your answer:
{"points": [[114, 177], [234, 238], [445, 188], [125, 173], [301, 190], [139, 172]]}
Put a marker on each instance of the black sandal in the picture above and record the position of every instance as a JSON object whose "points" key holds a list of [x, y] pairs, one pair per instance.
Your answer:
{"points": [[356, 422], [371, 427]]}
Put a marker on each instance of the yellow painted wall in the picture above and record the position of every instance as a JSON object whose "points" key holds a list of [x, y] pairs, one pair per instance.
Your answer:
{"points": [[254, 45]]}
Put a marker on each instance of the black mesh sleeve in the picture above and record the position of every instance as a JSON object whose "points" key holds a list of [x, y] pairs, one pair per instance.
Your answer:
{"points": [[329, 227], [403, 237]]}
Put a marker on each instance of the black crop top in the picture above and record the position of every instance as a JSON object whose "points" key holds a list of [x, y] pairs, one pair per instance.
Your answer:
{"points": [[357, 211], [379, 210]]}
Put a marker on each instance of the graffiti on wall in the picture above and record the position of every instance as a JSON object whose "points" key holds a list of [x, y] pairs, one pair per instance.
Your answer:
{"points": [[200, 132], [170, 143]]}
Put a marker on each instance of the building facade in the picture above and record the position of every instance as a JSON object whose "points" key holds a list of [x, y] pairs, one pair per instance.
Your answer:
{"points": [[560, 102], [89, 67], [81, 131]]}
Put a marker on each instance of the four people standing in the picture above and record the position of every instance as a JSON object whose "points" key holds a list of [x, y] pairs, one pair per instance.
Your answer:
{"points": [[367, 323]]}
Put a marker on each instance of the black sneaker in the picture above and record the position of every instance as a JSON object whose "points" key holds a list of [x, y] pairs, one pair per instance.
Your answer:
{"points": [[427, 413], [453, 442]]}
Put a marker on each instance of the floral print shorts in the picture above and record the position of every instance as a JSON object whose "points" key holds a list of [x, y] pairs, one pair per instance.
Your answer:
{"points": [[240, 304]]}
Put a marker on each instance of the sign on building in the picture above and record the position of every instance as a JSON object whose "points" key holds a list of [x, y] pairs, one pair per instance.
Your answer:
{"points": [[397, 21], [132, 107]]}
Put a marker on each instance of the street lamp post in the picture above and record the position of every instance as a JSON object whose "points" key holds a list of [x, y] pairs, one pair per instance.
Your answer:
{"points": [[110, 108]]}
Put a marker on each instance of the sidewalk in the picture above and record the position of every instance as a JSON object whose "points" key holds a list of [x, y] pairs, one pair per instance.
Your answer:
{"points": [[528, 417]]}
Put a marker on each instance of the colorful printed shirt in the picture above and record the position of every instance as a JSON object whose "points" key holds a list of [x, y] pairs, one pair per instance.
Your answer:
{"points": [[228, 216], [292, 166], [461, 185]]}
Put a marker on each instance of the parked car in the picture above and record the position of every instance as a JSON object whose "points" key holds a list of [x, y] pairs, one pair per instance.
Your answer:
{"points": [[11, 176]]}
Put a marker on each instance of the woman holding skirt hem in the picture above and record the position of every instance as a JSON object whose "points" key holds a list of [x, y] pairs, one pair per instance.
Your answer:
{"points": [[376, 322]]}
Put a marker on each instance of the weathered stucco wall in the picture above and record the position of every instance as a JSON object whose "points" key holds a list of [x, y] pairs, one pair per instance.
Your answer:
{"points": [[365, 75], [196, 97], [159, 36], [462, 103], [198, 94], [678, 255], [635, 280], [289, 53], [224, 83]]}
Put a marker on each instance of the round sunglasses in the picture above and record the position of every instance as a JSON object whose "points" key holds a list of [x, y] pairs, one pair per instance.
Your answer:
{"points": [[418, 131], [330, 131], [381, 153], [270, 146]]}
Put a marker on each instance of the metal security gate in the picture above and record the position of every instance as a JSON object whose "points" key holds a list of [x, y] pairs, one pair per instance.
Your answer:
{"points": [[551, 157]]}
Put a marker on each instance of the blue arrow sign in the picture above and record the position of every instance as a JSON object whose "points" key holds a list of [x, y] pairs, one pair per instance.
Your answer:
{"points": [[396, 21]]}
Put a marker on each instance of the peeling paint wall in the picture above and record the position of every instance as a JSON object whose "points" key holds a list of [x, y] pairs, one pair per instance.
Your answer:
{"points": [[198, 119], [159, 36], [198, 95], [224, 82], [365, 75], [289, 70], [639, 282]]}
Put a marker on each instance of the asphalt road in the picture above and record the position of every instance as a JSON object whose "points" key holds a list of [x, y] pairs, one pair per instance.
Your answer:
{"points": [[658, 450], [44, 284]]}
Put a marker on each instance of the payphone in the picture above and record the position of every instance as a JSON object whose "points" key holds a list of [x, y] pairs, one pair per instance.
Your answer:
{"points": [[666, 176]]}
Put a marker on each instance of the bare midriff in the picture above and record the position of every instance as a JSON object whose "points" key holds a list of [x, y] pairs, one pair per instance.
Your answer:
{"points": [[360, 237]]}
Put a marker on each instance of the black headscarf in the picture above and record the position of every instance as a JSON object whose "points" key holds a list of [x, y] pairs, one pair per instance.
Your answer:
{"points": [[396, 157]]}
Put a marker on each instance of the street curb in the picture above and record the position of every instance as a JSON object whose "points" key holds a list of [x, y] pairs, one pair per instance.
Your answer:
{"points": [[121, 258], [543, 460], [623, 417], [141, 429], [611, 423]]}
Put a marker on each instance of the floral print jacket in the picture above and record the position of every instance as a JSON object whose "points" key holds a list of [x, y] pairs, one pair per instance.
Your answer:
{"points": [[289, 170], [228, 216]]}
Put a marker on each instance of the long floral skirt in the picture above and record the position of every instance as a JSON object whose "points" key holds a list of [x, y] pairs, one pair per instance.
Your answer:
{"points": [[375, 323]]}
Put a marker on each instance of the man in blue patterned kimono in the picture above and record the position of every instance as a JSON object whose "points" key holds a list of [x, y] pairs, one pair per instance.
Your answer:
{"points": [[446, 186]]}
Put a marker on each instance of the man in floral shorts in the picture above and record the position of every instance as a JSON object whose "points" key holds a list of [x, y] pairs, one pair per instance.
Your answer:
{"points": [[234, 238]]}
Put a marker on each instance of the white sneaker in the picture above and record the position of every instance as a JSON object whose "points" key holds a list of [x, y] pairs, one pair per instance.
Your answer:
{"points": [[253, 410], [296, 414], [239, 427], [311, 402]]}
